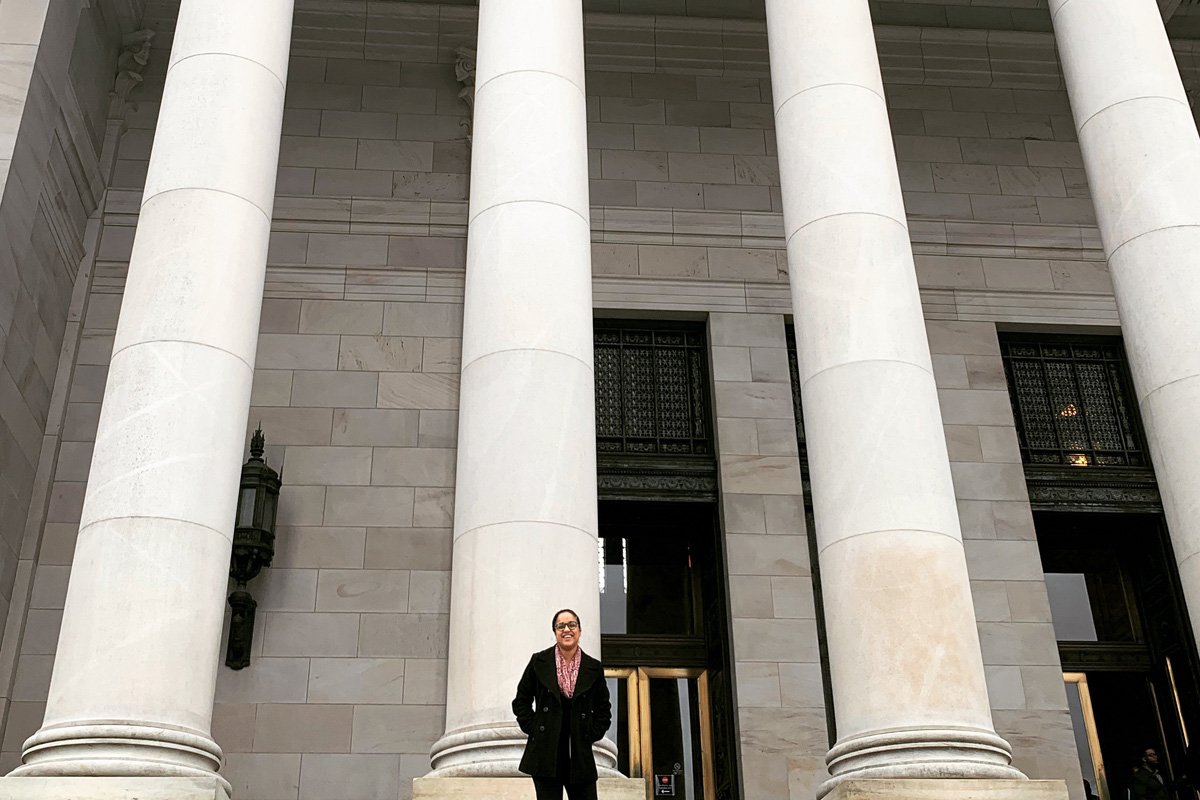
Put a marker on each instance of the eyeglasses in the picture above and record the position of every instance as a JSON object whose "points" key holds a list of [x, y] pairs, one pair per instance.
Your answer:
{"points": [[562, 626]]}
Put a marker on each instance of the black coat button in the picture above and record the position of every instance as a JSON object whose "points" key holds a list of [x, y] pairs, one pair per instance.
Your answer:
{"points": [[545, 709], [541, 727], [583, 716]]}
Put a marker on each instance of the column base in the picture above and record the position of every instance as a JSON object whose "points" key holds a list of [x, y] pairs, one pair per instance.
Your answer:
{"points": [[515, 789], [120, 750], [495, 752], [946, 789], [113, 788]]}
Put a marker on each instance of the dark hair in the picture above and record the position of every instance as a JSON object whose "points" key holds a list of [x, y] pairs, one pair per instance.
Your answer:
{"points": [[554, 620]]}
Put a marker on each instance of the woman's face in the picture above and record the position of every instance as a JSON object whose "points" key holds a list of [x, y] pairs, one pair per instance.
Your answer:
{"points": [[567, 636]]}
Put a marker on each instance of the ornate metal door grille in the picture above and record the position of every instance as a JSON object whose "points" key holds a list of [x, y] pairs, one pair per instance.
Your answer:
{"points": [[653, 417], [651, 390], [1072, 400]]}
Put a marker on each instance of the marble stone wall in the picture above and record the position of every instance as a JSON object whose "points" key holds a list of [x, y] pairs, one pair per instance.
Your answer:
{"points": [[57, 65], [1020, 652], [356, 385], [781, 706]]}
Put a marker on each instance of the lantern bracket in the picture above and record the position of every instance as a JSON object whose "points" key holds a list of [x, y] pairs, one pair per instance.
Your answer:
{"points": [[253, 546]]}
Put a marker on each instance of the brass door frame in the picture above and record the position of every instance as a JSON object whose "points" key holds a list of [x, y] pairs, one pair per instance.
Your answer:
{"points": [[632, 715], [1089, 724], [641, 752]]}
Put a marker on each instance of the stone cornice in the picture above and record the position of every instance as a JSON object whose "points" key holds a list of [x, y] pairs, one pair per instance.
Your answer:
{"points": [[713, 229], [432, 33], [689, 45], [672, 295], [73, 171], [659, 226]]}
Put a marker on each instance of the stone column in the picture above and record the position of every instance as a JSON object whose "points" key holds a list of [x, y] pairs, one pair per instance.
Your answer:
{"points": [[907, 672], [1142, 156], [525, 502], [135, 671]]}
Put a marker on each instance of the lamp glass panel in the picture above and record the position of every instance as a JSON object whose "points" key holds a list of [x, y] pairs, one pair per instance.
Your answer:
{"points": [[245, 513], [269, 505]]}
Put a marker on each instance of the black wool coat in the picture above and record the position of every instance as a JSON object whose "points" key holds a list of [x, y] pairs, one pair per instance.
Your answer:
{"points": [[539, 712], [1145, 785]]}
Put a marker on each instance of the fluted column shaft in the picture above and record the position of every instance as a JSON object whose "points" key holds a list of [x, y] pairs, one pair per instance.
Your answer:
{"points": [[525, 503], [1142, 156], [135, 670], [907, 673]]}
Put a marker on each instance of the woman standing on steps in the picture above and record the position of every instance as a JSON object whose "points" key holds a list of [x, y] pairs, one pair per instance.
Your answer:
{"points": [[563, 706]]}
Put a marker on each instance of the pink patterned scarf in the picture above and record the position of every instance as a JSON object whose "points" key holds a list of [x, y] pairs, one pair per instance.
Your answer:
{"points": [[567, 671]]}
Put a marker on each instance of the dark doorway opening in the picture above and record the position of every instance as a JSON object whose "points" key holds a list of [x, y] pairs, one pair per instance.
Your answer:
{"points": [[661, 565], [664, 635], [1126, 647]]}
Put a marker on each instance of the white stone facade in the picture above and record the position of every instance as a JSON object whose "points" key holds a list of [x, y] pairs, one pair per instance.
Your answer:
{"points": [[356, 378]]}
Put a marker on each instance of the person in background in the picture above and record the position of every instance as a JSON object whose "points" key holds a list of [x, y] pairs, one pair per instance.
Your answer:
{"points": [[1147, 783], [563, 706]]}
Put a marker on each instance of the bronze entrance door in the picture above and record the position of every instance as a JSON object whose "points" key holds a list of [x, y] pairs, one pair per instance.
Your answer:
{"points": [[662, 725]]}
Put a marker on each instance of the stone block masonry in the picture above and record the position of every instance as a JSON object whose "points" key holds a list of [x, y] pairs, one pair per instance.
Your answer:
{"points": [[360, 345]]}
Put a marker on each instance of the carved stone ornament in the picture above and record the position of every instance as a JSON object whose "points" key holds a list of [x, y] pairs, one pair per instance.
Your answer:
{"points": [[464, 71], [135, 54], [652, 486], [1078, 657], [655, 651], [1093, 489]]}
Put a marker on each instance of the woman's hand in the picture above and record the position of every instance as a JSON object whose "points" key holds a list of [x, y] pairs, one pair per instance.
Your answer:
{"points": [[523, 703]]}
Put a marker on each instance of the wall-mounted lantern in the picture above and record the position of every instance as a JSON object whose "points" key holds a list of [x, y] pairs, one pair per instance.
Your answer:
{"points": [[253, 546]]}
